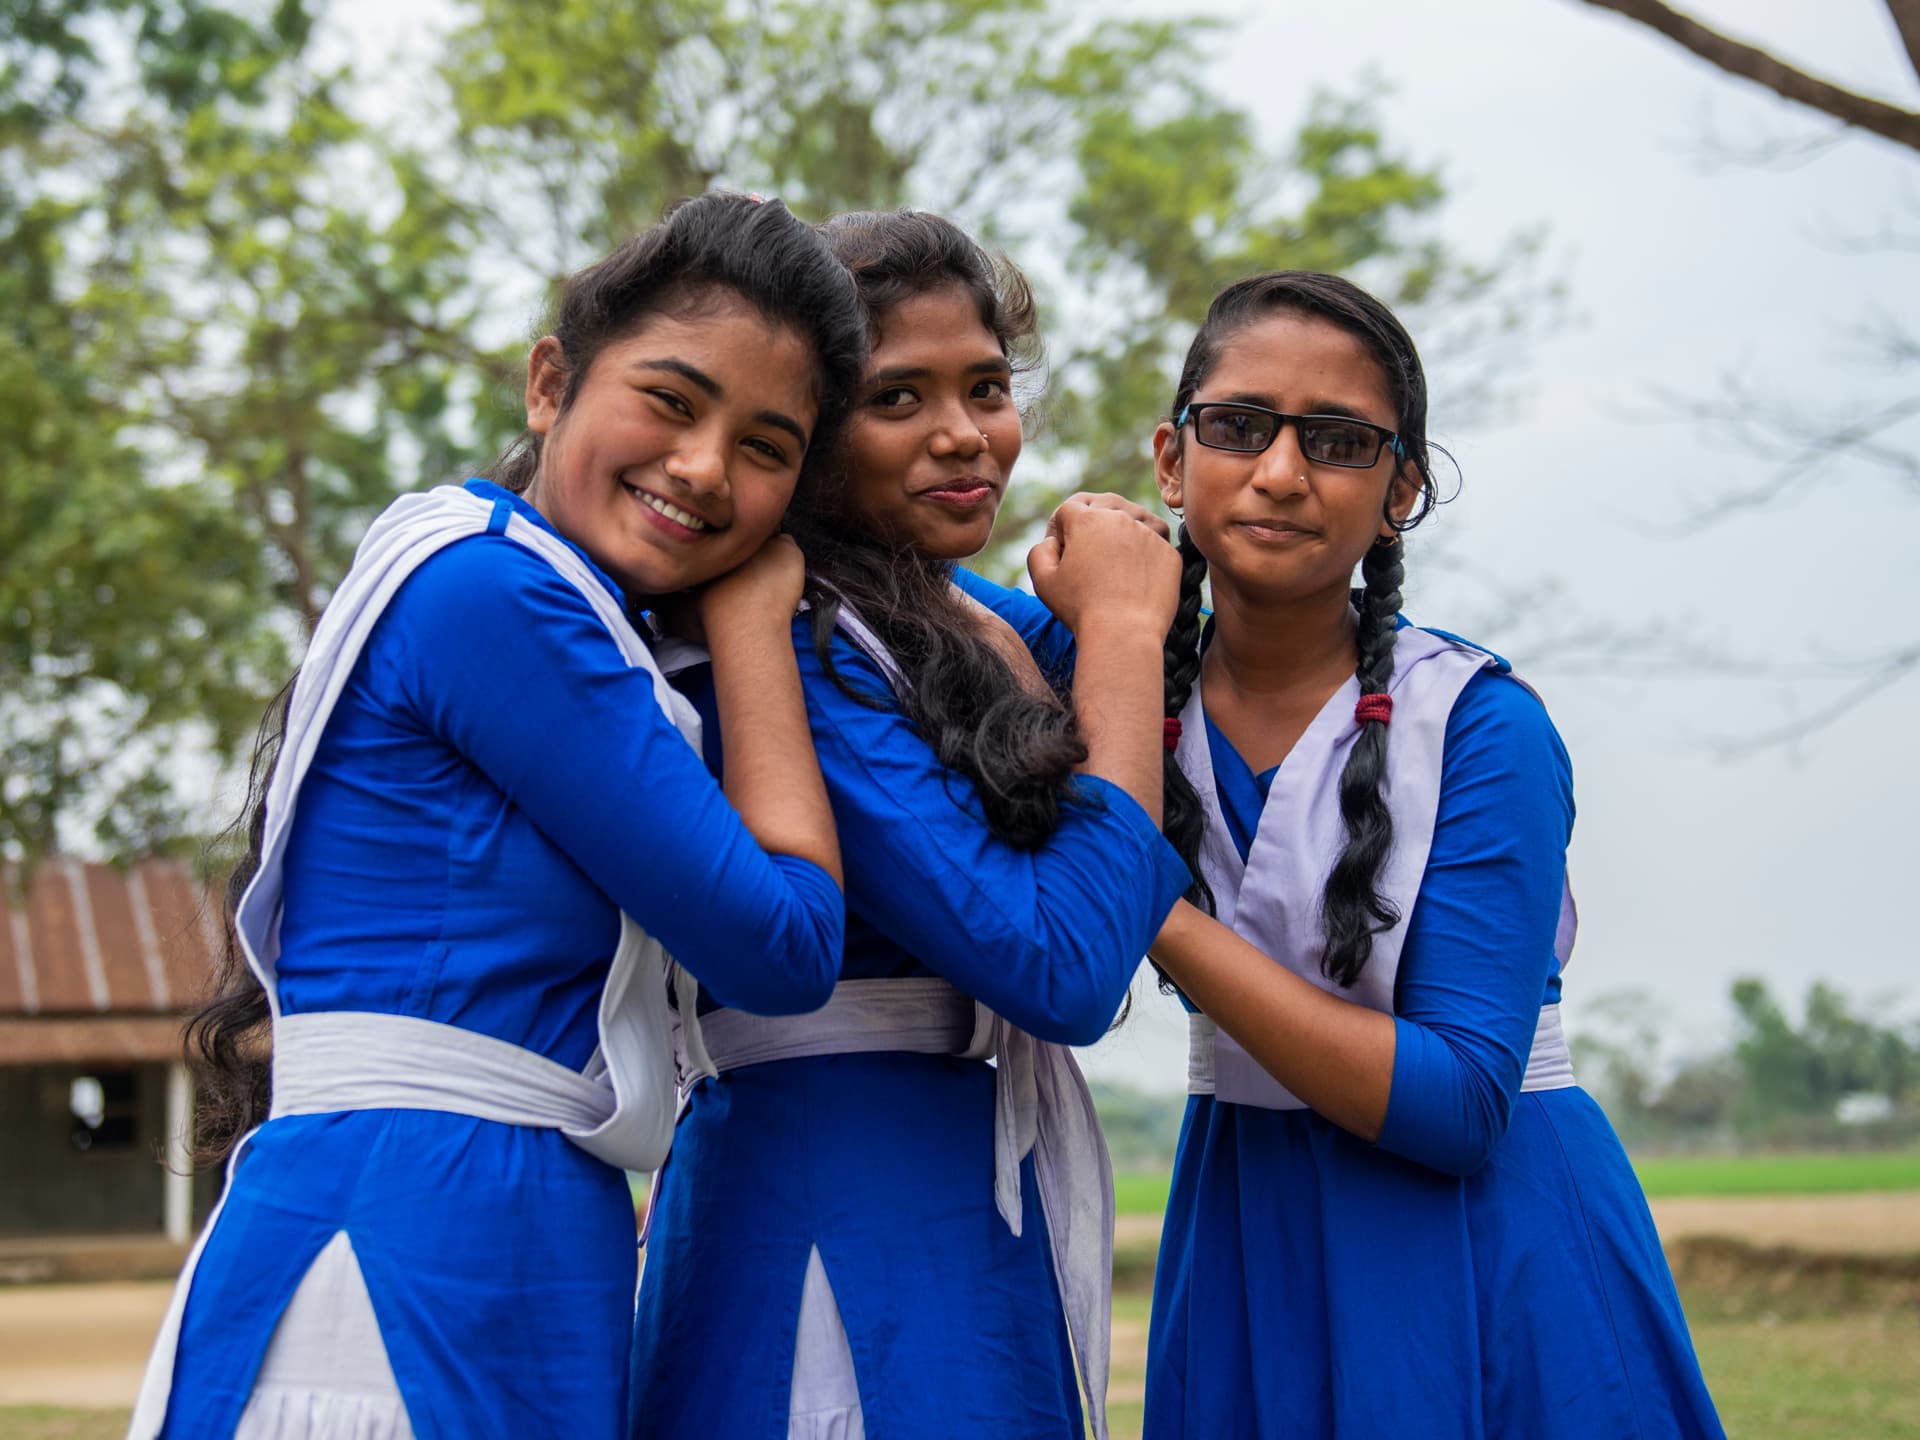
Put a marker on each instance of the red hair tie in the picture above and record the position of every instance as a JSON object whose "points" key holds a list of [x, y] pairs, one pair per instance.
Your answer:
{"points": [[1373, 707], [1170, 729]]}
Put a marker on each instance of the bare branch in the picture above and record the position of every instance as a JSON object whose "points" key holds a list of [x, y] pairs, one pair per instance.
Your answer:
{"points": [[1749, 62], [1794, 448], [1880, 242], [1881, 671], [1884, 341], [1906, 19], [1716, 153]]}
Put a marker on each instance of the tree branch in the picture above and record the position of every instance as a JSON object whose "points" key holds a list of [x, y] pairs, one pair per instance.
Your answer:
{"points": [[1751, 63], [1906, 19], [1881, 672]]}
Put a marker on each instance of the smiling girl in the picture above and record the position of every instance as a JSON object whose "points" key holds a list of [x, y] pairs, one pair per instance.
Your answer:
{"points": [[1393, 1211], [865, 1228], [487, 817]]}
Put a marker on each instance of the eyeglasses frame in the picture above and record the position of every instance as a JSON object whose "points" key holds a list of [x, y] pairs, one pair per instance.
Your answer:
{"points": [[1387, 437]]}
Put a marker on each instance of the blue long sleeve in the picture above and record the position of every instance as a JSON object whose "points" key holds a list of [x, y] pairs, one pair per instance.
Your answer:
{"points": [[1046, 938], [504, 661], [1479, 952]]}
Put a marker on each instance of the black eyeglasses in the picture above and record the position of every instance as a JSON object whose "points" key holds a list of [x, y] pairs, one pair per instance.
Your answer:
{"points": [[1324, 439]]}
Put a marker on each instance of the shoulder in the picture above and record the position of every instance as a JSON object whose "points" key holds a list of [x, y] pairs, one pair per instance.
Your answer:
{"points": [[1015, 606], [485, 574], [846, 662], [1050, 642], [1499, 729], [489, 593], [1496, 699]]}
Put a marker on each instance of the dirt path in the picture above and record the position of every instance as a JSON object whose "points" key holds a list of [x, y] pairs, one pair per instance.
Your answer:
{"points": [[77, 1345], [1872, 1224], [84, 1346], [1887, 1223]]}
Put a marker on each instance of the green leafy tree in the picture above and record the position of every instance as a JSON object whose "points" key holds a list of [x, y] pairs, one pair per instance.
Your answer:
{"points": [[1091, 148], [233, 329], [1790, 1072], [251, 313], [128, 606]]}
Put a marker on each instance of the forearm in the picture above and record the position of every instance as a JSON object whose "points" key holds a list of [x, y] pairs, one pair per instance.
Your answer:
{"points": [[1117, 697], [772, 775], [1059, 965], [1336, 1056]]}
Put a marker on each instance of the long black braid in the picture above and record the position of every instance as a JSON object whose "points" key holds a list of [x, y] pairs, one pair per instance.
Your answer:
{"points": [[1183, 822], [1353, 910]]}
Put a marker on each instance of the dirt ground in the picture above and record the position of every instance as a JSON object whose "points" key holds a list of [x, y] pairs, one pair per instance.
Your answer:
{"points": [[1869, 1224], [80, 1346], [83, 1346]]}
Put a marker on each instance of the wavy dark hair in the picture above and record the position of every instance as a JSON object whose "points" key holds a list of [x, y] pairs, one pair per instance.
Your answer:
{"points": [[1352, 907], [962, 696], [706, 252]]}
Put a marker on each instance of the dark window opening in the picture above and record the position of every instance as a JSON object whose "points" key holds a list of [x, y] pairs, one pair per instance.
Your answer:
{"points": [[106, 1110]]}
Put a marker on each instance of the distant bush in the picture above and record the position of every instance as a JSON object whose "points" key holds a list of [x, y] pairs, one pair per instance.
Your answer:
{"points": [[1843, 1078], [1143, 1130]]}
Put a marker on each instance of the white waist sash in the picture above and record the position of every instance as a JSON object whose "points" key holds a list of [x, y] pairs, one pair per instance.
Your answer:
{"points": [[1218, 1066], [365, 1060], [920, 1016], [1041, 1104]]}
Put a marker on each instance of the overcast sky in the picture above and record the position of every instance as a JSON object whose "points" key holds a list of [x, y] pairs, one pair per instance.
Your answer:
{"points": [[1790, 862]]}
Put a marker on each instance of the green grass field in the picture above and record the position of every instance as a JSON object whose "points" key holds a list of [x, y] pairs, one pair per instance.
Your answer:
{"points": [[1803, 1174], [44, 1422], [1778, 1371], [1808, 1174], [1851, 1374], [1141, 1194]]}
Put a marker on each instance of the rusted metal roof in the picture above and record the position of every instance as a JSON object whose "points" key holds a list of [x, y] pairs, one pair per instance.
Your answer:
{"points": [[87, 941], [90, 1039]]}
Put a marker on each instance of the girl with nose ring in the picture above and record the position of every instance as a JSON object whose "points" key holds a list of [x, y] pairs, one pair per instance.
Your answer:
{"points": [[1394, 1211], [865, 1227]]}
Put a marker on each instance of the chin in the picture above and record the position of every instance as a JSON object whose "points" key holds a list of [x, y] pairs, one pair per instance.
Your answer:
{"points": [[642, 579], [957, 542]]}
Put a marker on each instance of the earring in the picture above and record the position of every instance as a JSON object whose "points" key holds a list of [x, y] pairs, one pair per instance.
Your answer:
{"points": [[1387, 542]]}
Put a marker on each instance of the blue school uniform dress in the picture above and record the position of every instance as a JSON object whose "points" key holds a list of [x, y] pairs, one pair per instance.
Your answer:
{"points": [[502, 818], [1489, 1267], [883, 1187]]}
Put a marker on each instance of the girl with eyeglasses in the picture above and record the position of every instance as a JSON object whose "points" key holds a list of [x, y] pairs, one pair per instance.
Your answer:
{"points": [[1393, 1212], [866, 1228], [480, 830]]}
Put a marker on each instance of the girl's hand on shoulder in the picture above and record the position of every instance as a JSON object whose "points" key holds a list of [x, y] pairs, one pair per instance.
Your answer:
{"points": [[1107, 500], [1099, 564], [765, 590]]}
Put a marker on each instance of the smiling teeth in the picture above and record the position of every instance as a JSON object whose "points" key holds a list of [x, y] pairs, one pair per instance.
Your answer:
{"points": [[672, 512]]}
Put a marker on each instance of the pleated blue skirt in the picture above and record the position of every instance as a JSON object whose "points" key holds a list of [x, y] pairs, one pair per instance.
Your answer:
{"points": [[499, 1261], [1310, 1285], [884, 1162]]}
